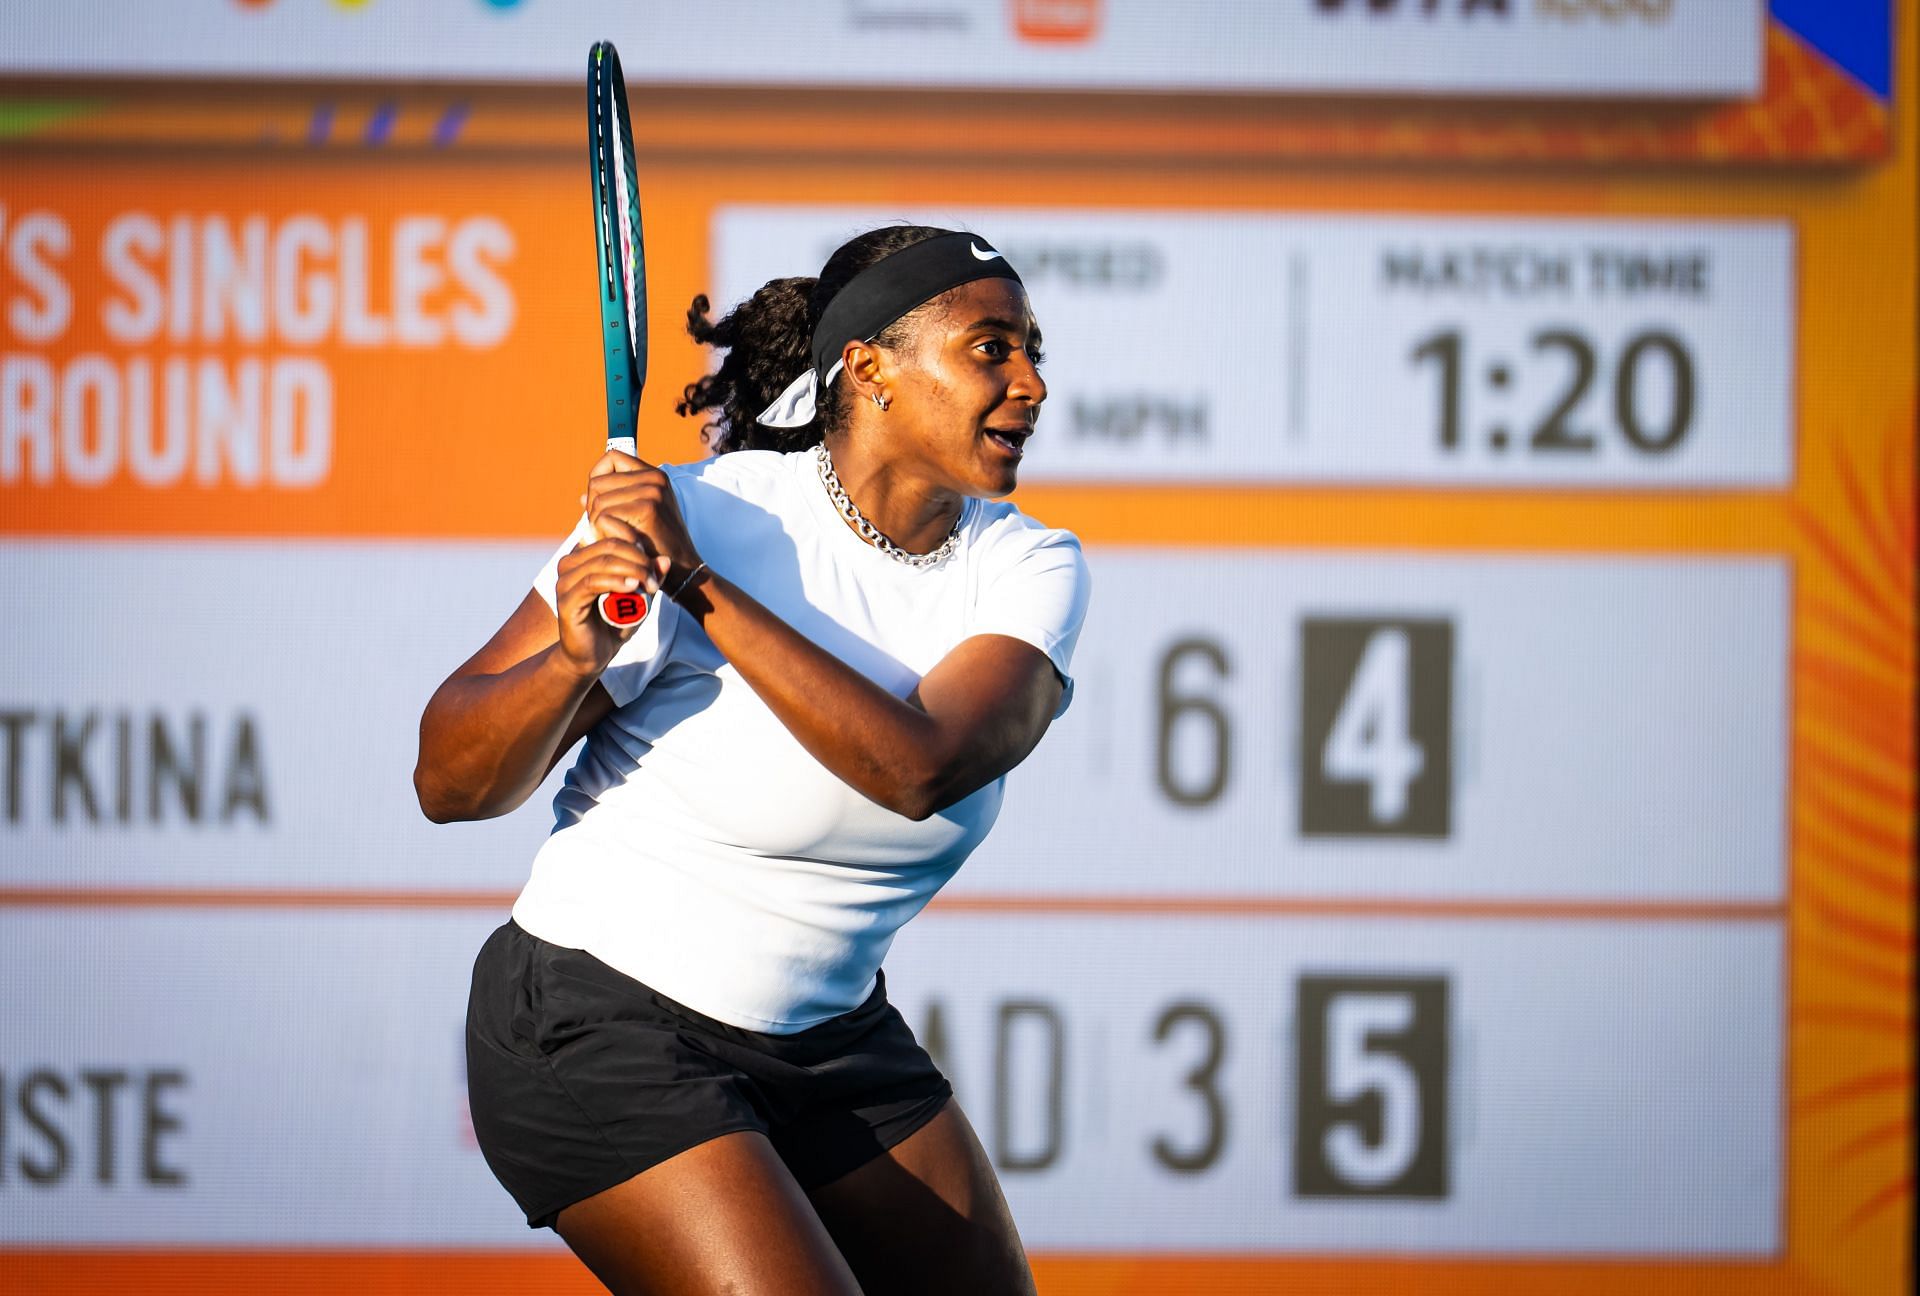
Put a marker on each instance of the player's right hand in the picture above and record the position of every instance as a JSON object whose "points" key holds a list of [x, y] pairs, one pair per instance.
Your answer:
{"points": [[607, 566]]}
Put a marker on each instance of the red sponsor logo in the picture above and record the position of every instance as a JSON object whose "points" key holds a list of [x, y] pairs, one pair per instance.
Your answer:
{"points": [[1056, 21]]}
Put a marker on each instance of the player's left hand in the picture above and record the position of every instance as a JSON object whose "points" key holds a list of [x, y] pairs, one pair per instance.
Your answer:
{"points": [[629, 499]]}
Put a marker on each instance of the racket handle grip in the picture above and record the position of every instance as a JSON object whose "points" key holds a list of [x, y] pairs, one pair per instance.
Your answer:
{"points": [[623, 609]]}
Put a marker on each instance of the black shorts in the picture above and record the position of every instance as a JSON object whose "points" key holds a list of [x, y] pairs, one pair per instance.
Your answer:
{"points": [[579, 1077]]}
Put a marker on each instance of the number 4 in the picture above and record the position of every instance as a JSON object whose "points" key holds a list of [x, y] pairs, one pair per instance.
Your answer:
{"points": [[1372, 739]]}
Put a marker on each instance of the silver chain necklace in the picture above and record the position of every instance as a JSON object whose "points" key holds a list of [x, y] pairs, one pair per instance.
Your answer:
{"points": [[868, 532]]}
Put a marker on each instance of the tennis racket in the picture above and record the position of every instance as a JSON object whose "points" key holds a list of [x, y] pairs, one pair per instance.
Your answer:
{"points": [[622, 274]]}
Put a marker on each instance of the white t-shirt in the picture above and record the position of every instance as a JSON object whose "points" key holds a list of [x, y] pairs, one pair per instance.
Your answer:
{"points": [[697, 846]]}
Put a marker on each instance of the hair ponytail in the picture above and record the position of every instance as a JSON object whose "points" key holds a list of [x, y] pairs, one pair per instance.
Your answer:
{"points": [[766, 338]]}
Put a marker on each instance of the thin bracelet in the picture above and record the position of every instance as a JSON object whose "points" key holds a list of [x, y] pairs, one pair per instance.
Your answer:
{"points": [[685, 581]]}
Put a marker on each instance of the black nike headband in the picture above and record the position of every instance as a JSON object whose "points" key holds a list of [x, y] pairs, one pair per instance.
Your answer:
{"points": [[875, 298]]}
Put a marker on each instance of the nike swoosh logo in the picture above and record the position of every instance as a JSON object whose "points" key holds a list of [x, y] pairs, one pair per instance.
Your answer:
{"points": [[982, 254]]}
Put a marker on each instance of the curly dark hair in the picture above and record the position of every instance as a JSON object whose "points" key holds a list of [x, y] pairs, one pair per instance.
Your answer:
{"points": [[766, 338]]}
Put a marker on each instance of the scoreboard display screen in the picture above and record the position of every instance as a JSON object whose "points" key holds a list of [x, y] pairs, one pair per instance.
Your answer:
{"points": [[1479, 855]]}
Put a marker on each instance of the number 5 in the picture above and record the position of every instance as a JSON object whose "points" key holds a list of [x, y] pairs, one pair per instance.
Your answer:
{"points": [[1353, 1071]]}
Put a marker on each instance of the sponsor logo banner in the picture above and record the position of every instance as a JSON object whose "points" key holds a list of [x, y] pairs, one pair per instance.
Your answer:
{"points": [[1554, 48], [1234, 1085], [1429, 351]]}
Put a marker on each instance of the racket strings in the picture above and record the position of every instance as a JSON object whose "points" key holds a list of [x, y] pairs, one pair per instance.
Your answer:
{"points": [[603, 166], [621, 153]]}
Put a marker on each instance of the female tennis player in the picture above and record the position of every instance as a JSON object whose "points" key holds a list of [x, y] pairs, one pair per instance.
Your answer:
{"points": [[680, 1051]]}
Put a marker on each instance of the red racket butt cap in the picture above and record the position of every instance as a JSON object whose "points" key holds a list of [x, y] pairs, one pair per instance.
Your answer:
{"points": [[624, 609]]}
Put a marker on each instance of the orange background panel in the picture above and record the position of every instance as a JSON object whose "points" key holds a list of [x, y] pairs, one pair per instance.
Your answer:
{"points": [[449, 441], [481, 1273]]}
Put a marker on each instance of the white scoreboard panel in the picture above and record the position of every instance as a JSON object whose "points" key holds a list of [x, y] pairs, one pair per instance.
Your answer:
{"points": [[200, 1077], [1322, 724], [1261, 723], [1656, 354], [1222, 1084], [1644, 49], [1144, 1084], [259, 725]]}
